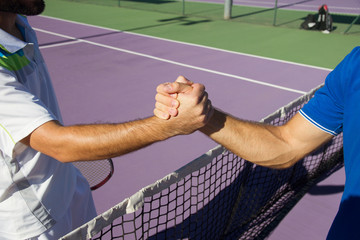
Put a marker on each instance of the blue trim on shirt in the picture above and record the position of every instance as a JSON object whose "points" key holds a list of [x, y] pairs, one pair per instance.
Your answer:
{"points": [[317, 124]]}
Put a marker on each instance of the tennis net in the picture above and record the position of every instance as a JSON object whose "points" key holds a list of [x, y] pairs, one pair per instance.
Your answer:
{"points": [[217, 196]]}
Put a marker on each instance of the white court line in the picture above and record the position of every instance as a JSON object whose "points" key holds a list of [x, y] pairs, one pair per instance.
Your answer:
{"points": [[192, 44], [58, 44], [169, 61]]}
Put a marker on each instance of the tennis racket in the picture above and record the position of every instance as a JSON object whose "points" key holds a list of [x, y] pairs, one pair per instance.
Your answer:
{"points": [[97, 173]]}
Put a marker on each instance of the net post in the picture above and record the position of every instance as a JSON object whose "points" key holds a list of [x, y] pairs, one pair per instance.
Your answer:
{"points": [[183, 7], [351, 24], [275, 12], [227, 9]]}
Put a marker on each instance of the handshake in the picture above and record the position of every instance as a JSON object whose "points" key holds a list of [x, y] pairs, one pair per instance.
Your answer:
{"points": [[184, 104]]}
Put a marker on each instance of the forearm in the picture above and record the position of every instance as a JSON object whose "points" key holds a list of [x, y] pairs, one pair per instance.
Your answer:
{"points": [[259, 143], [98, 141], [271, 146]]}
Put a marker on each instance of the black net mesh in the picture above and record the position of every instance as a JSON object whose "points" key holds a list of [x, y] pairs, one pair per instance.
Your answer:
{"points": [[228, 198]]}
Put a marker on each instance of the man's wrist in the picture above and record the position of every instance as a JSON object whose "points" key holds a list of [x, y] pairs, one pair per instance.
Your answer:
{"points": [[216, 122]]}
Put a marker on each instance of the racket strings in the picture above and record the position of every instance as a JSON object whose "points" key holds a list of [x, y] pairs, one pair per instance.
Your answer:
{"points": [[97, 173]]}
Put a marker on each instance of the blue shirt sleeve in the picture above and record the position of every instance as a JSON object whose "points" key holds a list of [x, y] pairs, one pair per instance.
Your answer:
{"points": [[326, 109]]}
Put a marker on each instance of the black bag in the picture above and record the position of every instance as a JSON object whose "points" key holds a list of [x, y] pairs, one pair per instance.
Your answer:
{"points": [[322, 21], [309, 23]]}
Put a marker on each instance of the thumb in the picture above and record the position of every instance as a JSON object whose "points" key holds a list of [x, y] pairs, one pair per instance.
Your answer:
{"points": [[174, 87], [182, 79]]}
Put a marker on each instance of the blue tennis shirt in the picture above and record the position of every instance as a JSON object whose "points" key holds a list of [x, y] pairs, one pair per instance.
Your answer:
{"points": [[335, 108]]}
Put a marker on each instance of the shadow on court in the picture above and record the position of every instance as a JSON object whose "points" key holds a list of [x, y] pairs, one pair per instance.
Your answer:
{"points": [[317, 190], [168, 21], [270, 9], [150, 1], [275, 16], [346, 19], [182, 20], [79, 38], [326, 189]]}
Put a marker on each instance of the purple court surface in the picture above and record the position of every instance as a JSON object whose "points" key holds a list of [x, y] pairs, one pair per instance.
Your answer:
{"points": [[102, 75]]}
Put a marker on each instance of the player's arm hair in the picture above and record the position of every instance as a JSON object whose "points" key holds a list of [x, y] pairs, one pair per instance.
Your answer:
{"points": [[266, 145], [97, 141], [100, 141]]}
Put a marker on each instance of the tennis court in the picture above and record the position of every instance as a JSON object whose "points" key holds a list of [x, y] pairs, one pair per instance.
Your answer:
{"points": [[105, 75]]}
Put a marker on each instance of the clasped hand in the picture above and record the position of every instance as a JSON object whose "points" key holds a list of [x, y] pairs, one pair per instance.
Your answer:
{"points": [[184, 103]]}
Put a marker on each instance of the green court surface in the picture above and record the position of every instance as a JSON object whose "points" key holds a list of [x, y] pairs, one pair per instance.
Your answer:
{"points": [[284, 41]]}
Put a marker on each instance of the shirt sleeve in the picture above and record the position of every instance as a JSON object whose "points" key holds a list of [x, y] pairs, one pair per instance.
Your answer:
{"points": [[20, 112], [326, 109]]}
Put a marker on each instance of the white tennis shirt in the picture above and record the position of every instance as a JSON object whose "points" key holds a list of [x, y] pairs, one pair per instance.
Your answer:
{"points": [[36, 191]]}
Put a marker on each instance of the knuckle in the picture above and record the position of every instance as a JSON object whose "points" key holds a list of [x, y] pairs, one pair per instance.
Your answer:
{"points": [[157, 96], [157, 105], [156, 112], [160, 87], [176, 85]]}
